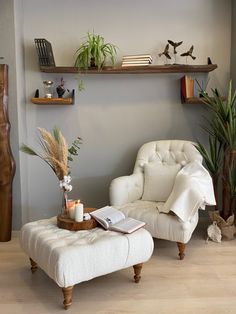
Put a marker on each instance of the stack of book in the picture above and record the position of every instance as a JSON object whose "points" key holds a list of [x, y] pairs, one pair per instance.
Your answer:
{"points": [[136, 60], [45, 53], [187, 87]]}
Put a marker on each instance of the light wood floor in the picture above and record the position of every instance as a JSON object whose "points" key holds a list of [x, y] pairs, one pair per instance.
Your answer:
{"points": [[204, 282]]}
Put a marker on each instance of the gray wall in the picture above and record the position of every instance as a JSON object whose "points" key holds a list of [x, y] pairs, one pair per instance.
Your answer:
{"points": [[115, 114]]}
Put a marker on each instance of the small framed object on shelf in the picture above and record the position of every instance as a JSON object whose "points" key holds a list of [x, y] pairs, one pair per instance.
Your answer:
{"points": [[53, 101]]}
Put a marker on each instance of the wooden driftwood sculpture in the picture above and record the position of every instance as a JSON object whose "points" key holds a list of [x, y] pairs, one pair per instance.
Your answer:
{"points": [[7, 164]]}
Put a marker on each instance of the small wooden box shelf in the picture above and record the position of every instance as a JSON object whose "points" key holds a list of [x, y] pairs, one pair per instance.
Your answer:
{"points": [[54, 101], [193, 100]]}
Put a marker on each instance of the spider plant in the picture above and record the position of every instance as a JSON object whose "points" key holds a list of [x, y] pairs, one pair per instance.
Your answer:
{"points": [[94, 51], [222, 157]]}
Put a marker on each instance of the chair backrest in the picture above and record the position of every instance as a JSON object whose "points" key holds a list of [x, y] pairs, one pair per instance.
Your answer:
{"points": [[167, 152]]}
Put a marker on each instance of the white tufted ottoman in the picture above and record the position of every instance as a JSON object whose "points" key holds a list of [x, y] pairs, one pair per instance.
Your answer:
{"points": [[70, 257]]}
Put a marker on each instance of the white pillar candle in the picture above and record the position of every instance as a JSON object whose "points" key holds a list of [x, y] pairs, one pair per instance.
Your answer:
{"points": [[79, 212]]}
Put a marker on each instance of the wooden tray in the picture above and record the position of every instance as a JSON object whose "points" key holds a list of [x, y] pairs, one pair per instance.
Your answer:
{"points": [[64, 222]]}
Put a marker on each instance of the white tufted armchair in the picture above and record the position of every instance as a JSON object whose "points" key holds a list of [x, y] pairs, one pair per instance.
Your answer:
{"points": [[167, 187]]}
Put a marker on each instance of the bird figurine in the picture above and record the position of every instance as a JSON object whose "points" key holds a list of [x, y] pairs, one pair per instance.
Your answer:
{"points": [[165, 52], [175, 45], [188, 53]]}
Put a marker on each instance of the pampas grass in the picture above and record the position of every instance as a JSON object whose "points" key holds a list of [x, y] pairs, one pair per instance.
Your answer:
{"points": [[54, 151]]}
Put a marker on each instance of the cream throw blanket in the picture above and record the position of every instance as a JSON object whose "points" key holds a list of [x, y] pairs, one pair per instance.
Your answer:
{"points": [[193, 189]]}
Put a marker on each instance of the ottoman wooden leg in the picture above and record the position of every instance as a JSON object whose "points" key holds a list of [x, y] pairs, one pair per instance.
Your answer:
{"points": [[137, 272], [34, 265], [181, 247], [67, 293]]}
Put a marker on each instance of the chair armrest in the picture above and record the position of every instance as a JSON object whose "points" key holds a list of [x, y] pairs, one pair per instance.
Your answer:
{"points": [[126, 189]]}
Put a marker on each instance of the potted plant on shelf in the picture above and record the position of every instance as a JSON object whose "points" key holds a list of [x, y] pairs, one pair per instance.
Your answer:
{"points": [[220, 159], [93, 52]]}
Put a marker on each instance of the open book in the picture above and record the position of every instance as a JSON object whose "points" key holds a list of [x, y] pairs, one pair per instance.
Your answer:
{"points": [[113, 219]]}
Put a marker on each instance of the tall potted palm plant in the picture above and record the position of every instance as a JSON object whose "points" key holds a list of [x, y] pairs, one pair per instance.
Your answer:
{"points": [[220, 159]]}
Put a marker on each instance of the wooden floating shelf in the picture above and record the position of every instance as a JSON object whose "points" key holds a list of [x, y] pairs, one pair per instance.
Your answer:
{"points": [[54, 101], [173, 68], [195, 100]]}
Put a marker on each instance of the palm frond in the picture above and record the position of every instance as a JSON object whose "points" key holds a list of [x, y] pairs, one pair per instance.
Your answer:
{"points": [[213, 157]]}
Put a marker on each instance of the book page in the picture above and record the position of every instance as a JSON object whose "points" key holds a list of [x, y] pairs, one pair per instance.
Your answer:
{"points": [[127, 225], [107, 216]]}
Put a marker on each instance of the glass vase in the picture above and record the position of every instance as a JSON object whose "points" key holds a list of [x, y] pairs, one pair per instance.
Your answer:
{"points": [[64, 211], [48, 89]]}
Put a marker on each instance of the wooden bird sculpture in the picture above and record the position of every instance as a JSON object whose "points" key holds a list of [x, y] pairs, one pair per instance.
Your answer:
{"points": [[175, 45], [188, 53], [165, 52]]}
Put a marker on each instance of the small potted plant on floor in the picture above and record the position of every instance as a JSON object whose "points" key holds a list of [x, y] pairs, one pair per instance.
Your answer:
{"points": [[93, 52], [220, 159]]}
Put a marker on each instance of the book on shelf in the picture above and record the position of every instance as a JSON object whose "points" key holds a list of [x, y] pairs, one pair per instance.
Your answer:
{"points": [[135, 64], [137, 61], [45, 52], [146, 56], [113, 219], [187, 87]]}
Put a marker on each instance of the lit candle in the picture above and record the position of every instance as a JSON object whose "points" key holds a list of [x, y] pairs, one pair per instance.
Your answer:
{"points": [[79, 212], [71, 211]]}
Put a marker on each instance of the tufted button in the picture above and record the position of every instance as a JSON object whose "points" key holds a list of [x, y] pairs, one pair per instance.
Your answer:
{"points": [[183, 163]]}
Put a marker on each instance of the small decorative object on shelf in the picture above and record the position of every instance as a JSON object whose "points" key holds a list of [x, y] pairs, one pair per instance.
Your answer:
{"points": [[188, 54], [209, 60], [175, 45], [61, 89], [165, 53], [57, 155], [48, 88], [45, 53]]}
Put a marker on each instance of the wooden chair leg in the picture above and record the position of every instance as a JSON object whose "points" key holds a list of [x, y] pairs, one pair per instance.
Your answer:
{"points": [[34, 265], [181, 247], [67, 293], [137, 272]]}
